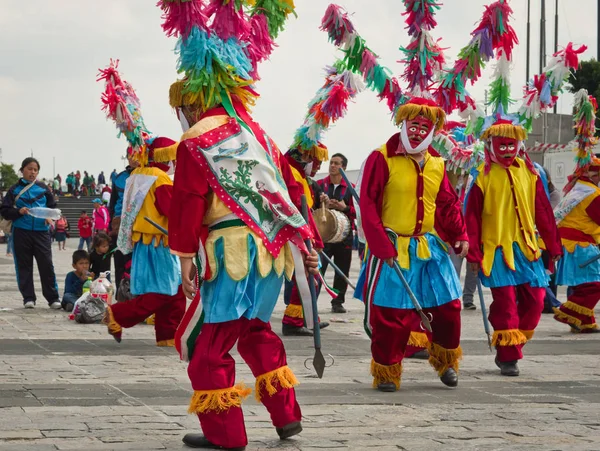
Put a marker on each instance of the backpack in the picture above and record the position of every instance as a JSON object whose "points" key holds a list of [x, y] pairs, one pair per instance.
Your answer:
{"points": [[90, 310]]}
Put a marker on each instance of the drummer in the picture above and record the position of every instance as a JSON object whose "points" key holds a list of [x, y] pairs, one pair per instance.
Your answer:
{"points": [[337, 196]]}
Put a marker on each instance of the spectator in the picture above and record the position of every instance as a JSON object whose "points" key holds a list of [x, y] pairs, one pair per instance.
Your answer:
{"points": [[56, 186], [70, 183], [59, 179], [75, 279], [101, 179], [113, 175], [337, 196], [99, 257], [30, 235], [60, 233], [77, 179], [106, 194], [85, 226], [101, 217]]}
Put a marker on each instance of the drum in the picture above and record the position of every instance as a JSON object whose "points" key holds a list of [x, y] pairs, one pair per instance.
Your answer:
{"points": [[334, 226]]}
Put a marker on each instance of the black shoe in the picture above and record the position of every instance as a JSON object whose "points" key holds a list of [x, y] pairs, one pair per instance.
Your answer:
{"points": [[387, 387], [450, 378], [323, 324], [289, 430], [469, 306], [293, 331], [195, 440], [508, 368], [423, 354], [338, 308]]}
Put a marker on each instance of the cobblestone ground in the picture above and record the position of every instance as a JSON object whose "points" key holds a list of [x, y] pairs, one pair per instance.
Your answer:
{"points": [[70, 386]]}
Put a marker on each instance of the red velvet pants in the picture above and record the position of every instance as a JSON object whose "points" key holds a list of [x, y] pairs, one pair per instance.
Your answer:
{"points": [[168, 311], [418, 337], [391, 328], [579, 308], [514, 315], [213, 368]]}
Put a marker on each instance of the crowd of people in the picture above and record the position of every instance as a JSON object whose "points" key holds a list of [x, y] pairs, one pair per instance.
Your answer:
{"points": [[78, 186]]}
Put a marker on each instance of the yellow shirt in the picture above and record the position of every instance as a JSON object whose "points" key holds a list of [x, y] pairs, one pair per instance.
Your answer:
{"points": [[409, 201], [508, 215], [578, 219]]}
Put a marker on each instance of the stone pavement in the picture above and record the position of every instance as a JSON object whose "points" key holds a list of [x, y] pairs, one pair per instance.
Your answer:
{"points": [[70, 386]]}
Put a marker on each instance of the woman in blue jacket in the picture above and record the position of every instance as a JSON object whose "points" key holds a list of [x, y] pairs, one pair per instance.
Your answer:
{"points": [[30, 235]]}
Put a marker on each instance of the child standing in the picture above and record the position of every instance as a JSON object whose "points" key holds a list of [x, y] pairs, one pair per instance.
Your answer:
{"points": [[100, 258], [101, 217], [75, 279], [60, 234], [85, 231]]}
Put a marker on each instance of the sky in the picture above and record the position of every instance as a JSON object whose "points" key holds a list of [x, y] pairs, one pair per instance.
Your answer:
{"points": [[51, 52]]}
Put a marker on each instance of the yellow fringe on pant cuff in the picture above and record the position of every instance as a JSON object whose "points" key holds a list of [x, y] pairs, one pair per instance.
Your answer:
{"points": [[418, 340], [275, 380], [218, 400], [588, 326], [386, 373], [109, 320], [510, 337], [559, 314], [528, 333], [294, 311], [150, 320], [578, 309], [441, 358], [166, 343]]}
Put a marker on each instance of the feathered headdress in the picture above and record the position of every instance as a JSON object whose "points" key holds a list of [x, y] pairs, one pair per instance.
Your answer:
{"points": [[121, 104], [329, 105], [585, 138], [220, 43], [493, 33]]}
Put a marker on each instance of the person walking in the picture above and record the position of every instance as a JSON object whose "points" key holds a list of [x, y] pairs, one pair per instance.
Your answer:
{"points": [[101, 178], [30, 235]]}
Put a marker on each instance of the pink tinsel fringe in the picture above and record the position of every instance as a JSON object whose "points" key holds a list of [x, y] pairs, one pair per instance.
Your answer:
{"points": [[180, 16]]}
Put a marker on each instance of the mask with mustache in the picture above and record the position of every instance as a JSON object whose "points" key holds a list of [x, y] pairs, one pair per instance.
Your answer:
{"points": [[417, 134], [504, 150]]}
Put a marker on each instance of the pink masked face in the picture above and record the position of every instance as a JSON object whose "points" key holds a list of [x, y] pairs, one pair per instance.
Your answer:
{"points": [[418, 129], [505, 150]]}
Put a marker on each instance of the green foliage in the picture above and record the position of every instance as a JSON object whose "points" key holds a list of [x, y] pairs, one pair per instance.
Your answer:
{"points": [[8, 176]]}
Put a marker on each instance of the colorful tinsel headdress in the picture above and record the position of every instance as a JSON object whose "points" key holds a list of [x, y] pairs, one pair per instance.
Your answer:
{"points": [[585, 138], [329, 104], [121, 104], [220, 43]]}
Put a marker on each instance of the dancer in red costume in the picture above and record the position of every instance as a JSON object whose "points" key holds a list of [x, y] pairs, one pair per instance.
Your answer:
{"points": [[236, 215]]}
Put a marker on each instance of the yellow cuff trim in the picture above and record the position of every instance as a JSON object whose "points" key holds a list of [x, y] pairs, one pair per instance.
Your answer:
{"points": [[578, 309], [588, 326], [275, 380], [510, 337], [441, 358], [183, 254], [109, 320], [559, 314], [294, 311], [218, 400], [150, 320], [418, 340], [386, 373], [528, 334], [166, 343]]}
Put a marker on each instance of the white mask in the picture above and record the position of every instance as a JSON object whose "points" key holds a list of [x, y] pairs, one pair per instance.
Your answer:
{"points": [[308, 168], [421, 147], [185, 126]]}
